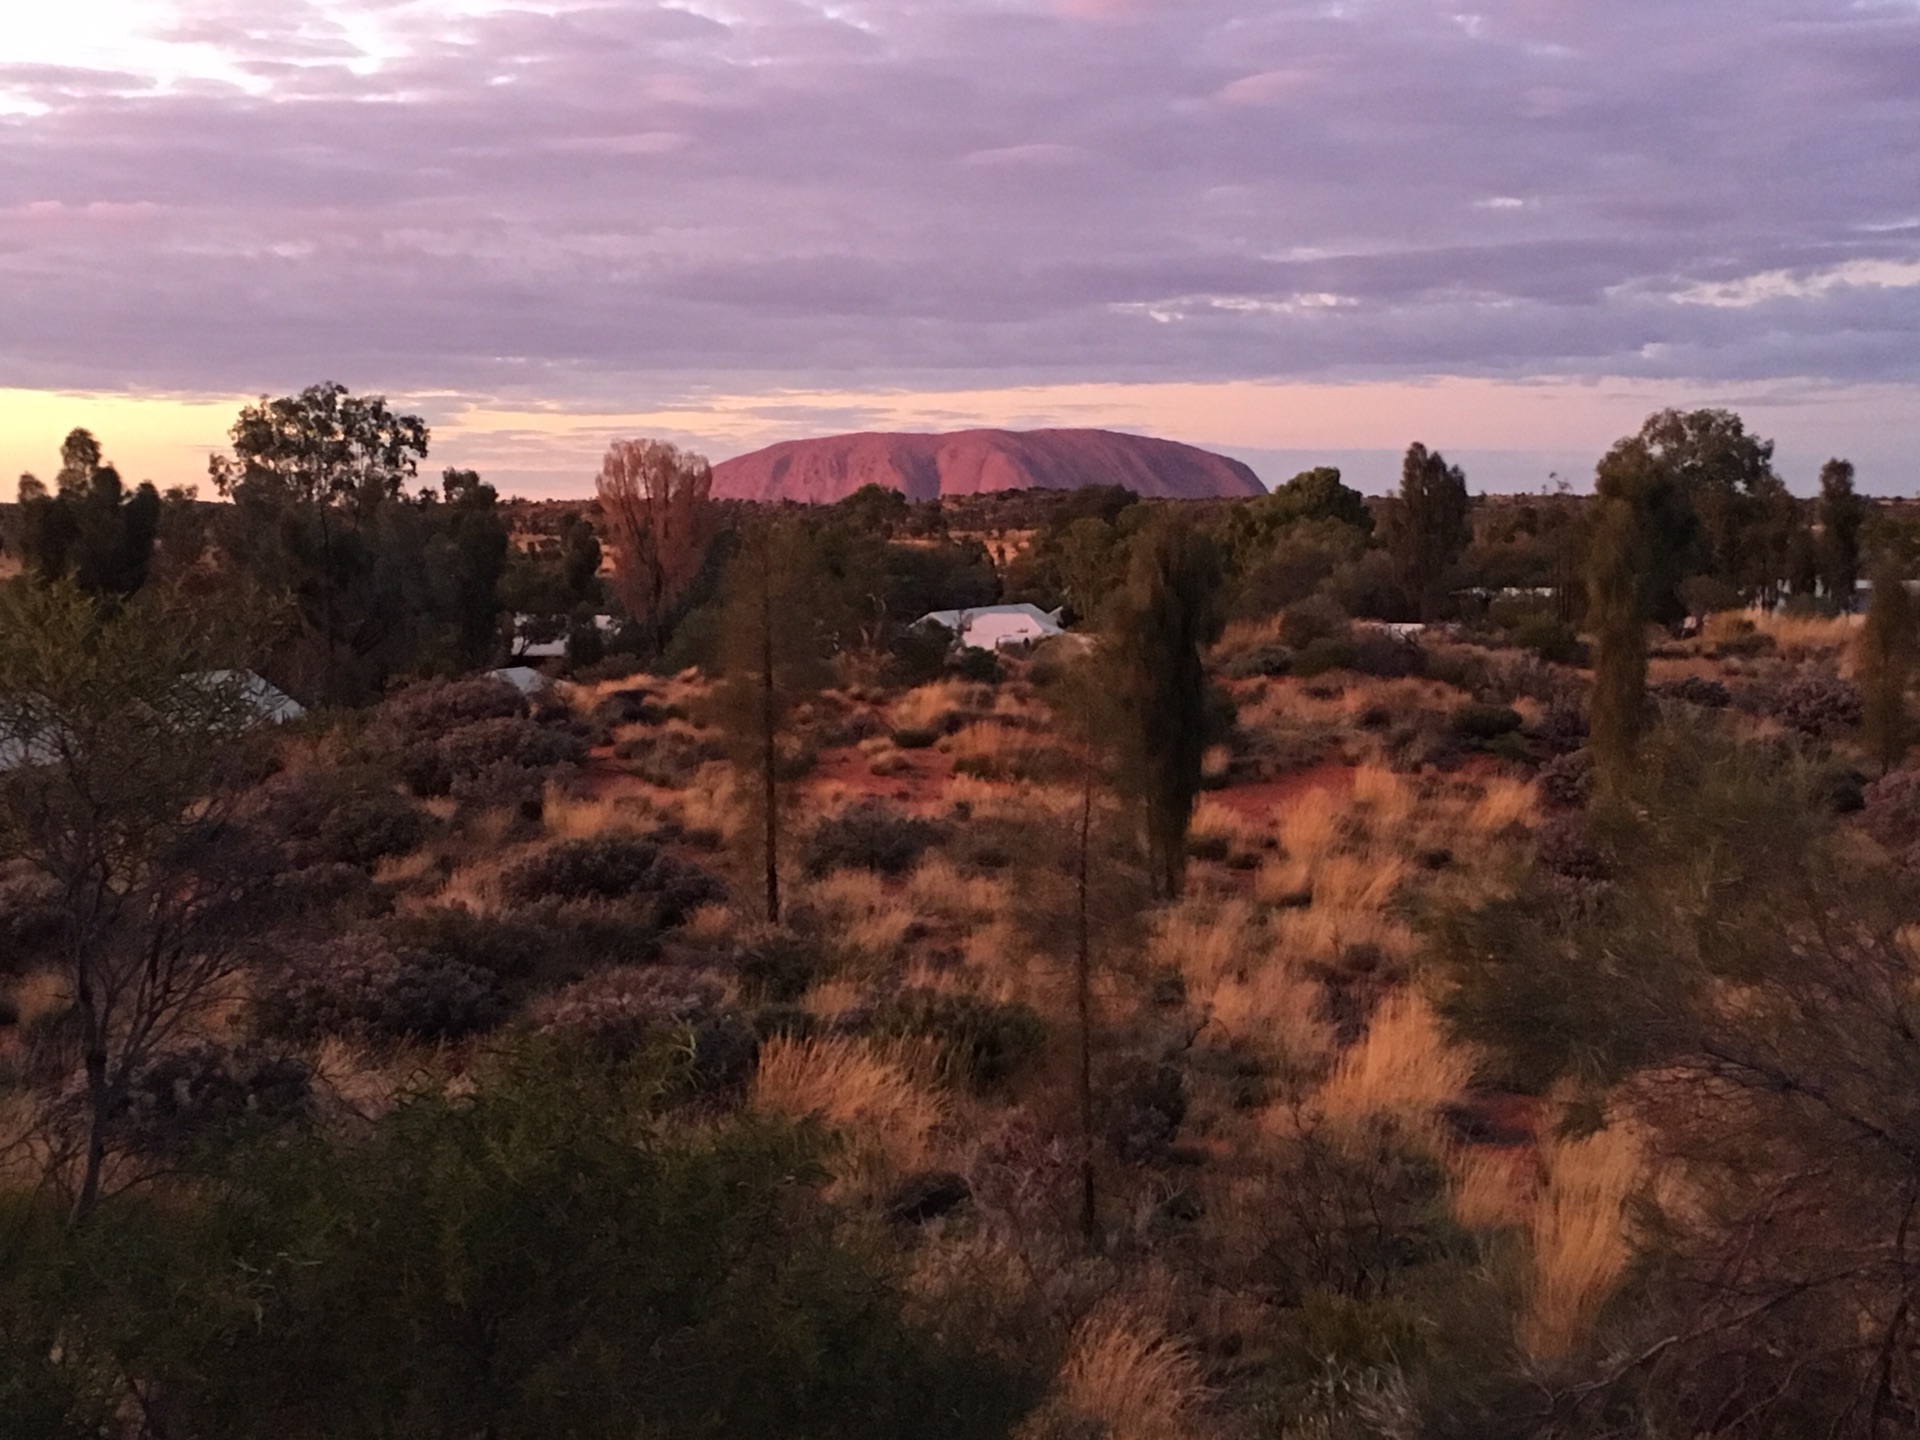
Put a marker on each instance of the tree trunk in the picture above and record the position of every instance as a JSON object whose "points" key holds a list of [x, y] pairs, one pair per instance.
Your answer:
{"points": [[94, 1044], [769, 754], [1083, 995]]}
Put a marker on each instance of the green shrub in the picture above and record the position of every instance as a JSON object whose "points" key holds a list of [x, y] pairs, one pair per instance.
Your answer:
{"points": [[980, 666], [986, 1042], [1477, 721], [914, 739], [1550, 640], [869, 835], [615, 868], [1320, 656], [1267, 659], [777, 965]]}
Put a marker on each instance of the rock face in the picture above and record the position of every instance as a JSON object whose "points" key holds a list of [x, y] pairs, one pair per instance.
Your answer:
{"points": [[969, 462]]}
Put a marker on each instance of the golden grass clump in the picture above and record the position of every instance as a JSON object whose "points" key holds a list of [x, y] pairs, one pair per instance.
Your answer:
{"points": [[1251, 988], [1403, 1068], [869, 1092], [1506, 802], [1126, 1372], [941, 888], [1579, 1233], [1490, 1189], [862, 911], [932, 707], [566, 816]]}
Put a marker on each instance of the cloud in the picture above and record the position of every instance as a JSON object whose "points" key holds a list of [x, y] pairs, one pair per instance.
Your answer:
{"points": [[598, 199]]}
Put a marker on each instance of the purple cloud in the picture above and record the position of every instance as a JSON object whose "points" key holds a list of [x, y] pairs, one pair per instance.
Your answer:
{"points": [[556, 195]]}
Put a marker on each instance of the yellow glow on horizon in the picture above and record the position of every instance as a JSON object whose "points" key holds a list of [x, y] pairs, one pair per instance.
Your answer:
{"points": [[555, 448]]}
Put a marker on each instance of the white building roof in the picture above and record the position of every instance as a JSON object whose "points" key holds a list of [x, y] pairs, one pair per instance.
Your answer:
{"points": [[988, 627]]}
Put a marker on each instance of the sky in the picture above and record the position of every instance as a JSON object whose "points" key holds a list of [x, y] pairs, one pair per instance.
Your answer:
{"points": [[1299, 233]]}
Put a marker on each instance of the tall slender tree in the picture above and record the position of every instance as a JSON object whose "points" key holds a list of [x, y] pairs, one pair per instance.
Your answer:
{"points": [[1429, 527], [658, 506], [1885, 656], [1617, 616], [779, 624], [1842, 514], [1169, 612]]}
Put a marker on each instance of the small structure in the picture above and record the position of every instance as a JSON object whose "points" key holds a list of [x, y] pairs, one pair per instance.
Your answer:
{"points": [[544, 637], [272, 704], [524, 678], [997, 627]]}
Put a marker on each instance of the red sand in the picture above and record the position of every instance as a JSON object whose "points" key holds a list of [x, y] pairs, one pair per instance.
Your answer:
{"points": [[924, 783], [1261, 799]]}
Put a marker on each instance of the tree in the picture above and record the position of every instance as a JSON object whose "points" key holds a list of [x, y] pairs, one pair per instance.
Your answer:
{"points": [[1615, 614], [125, 735], [1153, 653], [93, 530], [1885, 655], [1842, 514], [1739, 990], [465, 561], [779, 624], [1429, 527], [658, 507], [1253, 527], [313, 476]]}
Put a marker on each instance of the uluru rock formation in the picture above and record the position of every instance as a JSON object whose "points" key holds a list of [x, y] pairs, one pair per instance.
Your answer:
{"points": [[969, 462]]}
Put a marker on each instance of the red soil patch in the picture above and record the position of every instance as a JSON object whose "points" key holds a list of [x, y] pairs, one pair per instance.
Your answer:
{"points": [[924, 782], [1260, 800]]}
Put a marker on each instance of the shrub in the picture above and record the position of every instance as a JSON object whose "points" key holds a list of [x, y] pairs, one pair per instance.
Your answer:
{"points": [[1377, 653], [613, 868], [1477, 721], [986, 1042], [504, 785], [1892, 812], [349, 816], [195, 1090], [869, 836], [980, 666], [777, 966], [1550, 640], [1818, 706], [1143, 1107], [1267, 659], [914, 739], [629, 1009], [1695, 690], [1566, 781], [1316, 618], [1317, 657], [433, 709], [361, 985]]}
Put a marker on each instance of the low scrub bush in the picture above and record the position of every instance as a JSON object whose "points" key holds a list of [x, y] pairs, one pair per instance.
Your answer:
{"points": [[1695, 690], [870, 836], [985, 1041], [1821, 707], [363, 986], [206, 1088], [613, 868], [343, 816], [433, 709], [1318, 657], [1483, 722], [671, 759], [625, 1011], [1270, 658], [777, 965]]}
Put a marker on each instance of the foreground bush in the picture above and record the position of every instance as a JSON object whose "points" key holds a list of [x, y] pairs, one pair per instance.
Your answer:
{"points": [[541, 1259], [869, 836], [615, 868]]}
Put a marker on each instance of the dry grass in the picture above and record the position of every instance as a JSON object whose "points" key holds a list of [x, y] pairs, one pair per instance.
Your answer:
{"points": [[355, 1077], [1580, 1241], [38, 994], [1403, 1068], [941, 888], [567, 816], [932, 707], [1125, 1371], [1249, 985], [870, 1092], [1506, 802], [864, 912], [1491, 1189]]}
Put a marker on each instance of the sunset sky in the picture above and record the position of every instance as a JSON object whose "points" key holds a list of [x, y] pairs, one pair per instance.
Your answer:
{"points": [[1297, 232]]}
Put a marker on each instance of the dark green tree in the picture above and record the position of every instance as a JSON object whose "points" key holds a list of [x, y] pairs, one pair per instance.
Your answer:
{"points": [[315, 478], [1429, 527], [93, 530], [1885, 656], [1616, 560], [1153, 653], [466, 558], [1842, 514], [1252, 527], [781, 616]]}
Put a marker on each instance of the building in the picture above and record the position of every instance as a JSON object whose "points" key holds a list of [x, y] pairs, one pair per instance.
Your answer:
{"points": [[997, 627]]}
